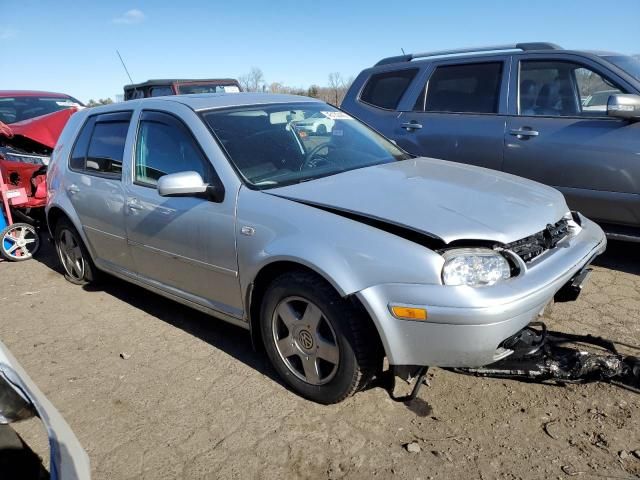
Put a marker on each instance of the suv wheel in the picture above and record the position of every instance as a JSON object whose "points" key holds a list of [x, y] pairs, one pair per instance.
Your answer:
{"points": [[73, 255], [317, 342]]}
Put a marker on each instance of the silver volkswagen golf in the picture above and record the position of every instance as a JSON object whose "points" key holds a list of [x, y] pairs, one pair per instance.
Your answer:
{"points": [[334, 247]]}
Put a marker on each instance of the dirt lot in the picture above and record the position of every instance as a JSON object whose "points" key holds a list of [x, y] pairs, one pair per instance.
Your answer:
{"points": [[194, 400]]}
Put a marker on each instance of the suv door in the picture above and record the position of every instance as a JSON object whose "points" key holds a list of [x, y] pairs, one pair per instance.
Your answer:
{"points": [[183, 245], [95, 187], [458, 114], [559, 134]]}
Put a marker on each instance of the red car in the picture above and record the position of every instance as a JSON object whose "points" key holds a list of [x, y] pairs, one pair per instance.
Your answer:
{"points": [[30, 124]]}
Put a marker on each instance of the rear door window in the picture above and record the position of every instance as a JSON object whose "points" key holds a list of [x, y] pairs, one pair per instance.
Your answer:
{"points": [[468, 88], [385, 90], [100, 145]]}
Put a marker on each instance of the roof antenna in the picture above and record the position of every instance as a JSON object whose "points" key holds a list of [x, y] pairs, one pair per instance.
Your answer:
{"points": [[124, 66], [402, 51]]}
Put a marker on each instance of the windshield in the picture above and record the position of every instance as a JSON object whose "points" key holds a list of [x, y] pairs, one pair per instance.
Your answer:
{"points": [[631, 65], [17, 109], [207, 88], [282, 144]]}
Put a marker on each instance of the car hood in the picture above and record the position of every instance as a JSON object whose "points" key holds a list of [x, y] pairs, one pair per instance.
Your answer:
{"points": [[442, 199], [44, 130]]}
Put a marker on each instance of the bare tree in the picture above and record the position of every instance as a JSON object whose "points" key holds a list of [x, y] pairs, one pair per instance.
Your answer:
{"points": [[252, 81], [336, 85]]}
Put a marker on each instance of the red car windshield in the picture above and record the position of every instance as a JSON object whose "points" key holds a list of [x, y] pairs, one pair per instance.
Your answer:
{"points": [[17, 109]]}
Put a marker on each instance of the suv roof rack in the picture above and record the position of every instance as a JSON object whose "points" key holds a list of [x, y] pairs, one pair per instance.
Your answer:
{"points": [[516, 46]]}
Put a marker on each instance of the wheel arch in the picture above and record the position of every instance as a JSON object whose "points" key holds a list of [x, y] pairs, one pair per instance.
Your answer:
{"points": [[264, 277], [55, 213]]}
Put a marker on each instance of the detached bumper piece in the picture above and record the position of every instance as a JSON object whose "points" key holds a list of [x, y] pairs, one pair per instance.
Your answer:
{"points": [[571, 291], [542, 356]]}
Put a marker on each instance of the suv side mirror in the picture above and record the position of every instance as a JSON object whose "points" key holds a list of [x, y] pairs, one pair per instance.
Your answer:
{"points": [[189, 184], [624, 106]]}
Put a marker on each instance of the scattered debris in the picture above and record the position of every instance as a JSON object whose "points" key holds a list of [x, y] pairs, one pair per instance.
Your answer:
{"points": [[637, 454], [125, 356], [546, 429], [568, 470], [623, 454], [412, 447]]}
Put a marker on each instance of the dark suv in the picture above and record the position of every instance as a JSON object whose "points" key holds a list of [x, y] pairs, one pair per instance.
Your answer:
{"points": [[561, 117]]}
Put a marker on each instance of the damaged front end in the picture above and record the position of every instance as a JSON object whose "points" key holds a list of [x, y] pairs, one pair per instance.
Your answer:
{"points": [[543, 356], [25, 150]]}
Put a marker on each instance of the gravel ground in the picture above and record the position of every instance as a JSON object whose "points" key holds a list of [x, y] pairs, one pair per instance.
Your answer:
{"points": [[193, 400]]}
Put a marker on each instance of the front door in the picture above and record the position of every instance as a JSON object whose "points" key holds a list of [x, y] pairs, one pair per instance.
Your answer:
{"points": [[560, 135], [183, 245], [458, 114]]}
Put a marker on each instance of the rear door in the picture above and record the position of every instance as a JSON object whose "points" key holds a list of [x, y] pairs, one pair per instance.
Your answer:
{"points": [[459, 112], [95, 186], [559, 134]]}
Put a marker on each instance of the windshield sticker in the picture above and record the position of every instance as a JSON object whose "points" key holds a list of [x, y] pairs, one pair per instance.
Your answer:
{"points": [[337, 132], [336, 115], [67, 103]]}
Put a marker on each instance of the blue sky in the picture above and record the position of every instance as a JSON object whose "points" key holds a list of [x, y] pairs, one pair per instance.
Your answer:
{"points": [[69, 46]]}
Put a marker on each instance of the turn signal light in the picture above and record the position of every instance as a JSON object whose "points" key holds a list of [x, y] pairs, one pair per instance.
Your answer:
{"points": [[409, 313]]}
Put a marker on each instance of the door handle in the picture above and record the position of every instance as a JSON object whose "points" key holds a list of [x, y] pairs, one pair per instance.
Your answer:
{"points": [[411, 126], [73, 189], [524, 132], [133, 204]]}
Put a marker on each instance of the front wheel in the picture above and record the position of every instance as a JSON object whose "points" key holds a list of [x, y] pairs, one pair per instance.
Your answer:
{"points": [[317, 342]]}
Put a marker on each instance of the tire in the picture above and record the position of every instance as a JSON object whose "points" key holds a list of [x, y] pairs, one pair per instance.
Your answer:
{"points": [[319, 343], [321, 130], [74, 258], [20, 242]]}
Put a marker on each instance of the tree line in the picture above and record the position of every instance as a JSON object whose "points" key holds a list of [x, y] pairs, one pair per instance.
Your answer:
{"points": [[333, 92]]}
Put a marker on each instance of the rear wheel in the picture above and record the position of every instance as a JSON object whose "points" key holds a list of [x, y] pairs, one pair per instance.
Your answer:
{"points": [[318, 343], [73, 255], [20, 241]]}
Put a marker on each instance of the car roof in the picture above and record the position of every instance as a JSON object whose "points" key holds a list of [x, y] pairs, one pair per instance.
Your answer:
{"points": [[413, 59], [31, 93], [207, 101]]}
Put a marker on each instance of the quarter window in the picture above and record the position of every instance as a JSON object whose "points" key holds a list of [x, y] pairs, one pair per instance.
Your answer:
{"points": [[469, 88], [165, 146], [100, 145], [563, 89], [385, 90]]}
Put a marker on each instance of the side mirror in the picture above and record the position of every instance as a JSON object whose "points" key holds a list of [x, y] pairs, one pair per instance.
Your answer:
{"points": [[624, 106], [189, 184]]}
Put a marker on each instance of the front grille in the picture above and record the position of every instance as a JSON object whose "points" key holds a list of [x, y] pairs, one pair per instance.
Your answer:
{"points": [[535, 245]]}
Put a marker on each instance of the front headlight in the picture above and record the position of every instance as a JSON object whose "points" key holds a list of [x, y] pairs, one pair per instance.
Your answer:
{"points": [[475, 267]]}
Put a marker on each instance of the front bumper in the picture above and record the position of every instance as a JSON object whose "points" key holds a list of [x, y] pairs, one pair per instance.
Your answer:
{"points": [[466, 325]]}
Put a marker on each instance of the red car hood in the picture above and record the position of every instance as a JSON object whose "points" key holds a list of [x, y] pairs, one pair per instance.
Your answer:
{"points": [[45, 129]]}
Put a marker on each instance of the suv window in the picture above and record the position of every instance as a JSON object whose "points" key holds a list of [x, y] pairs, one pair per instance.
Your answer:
{"points": [[161, 91], [562, 89], [100, 145], [469, 88], [385, 90], [165, 146]]}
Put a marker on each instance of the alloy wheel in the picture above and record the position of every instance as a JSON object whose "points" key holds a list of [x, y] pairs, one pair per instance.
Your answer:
{"points": [[305, 340], [70, 255]]}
